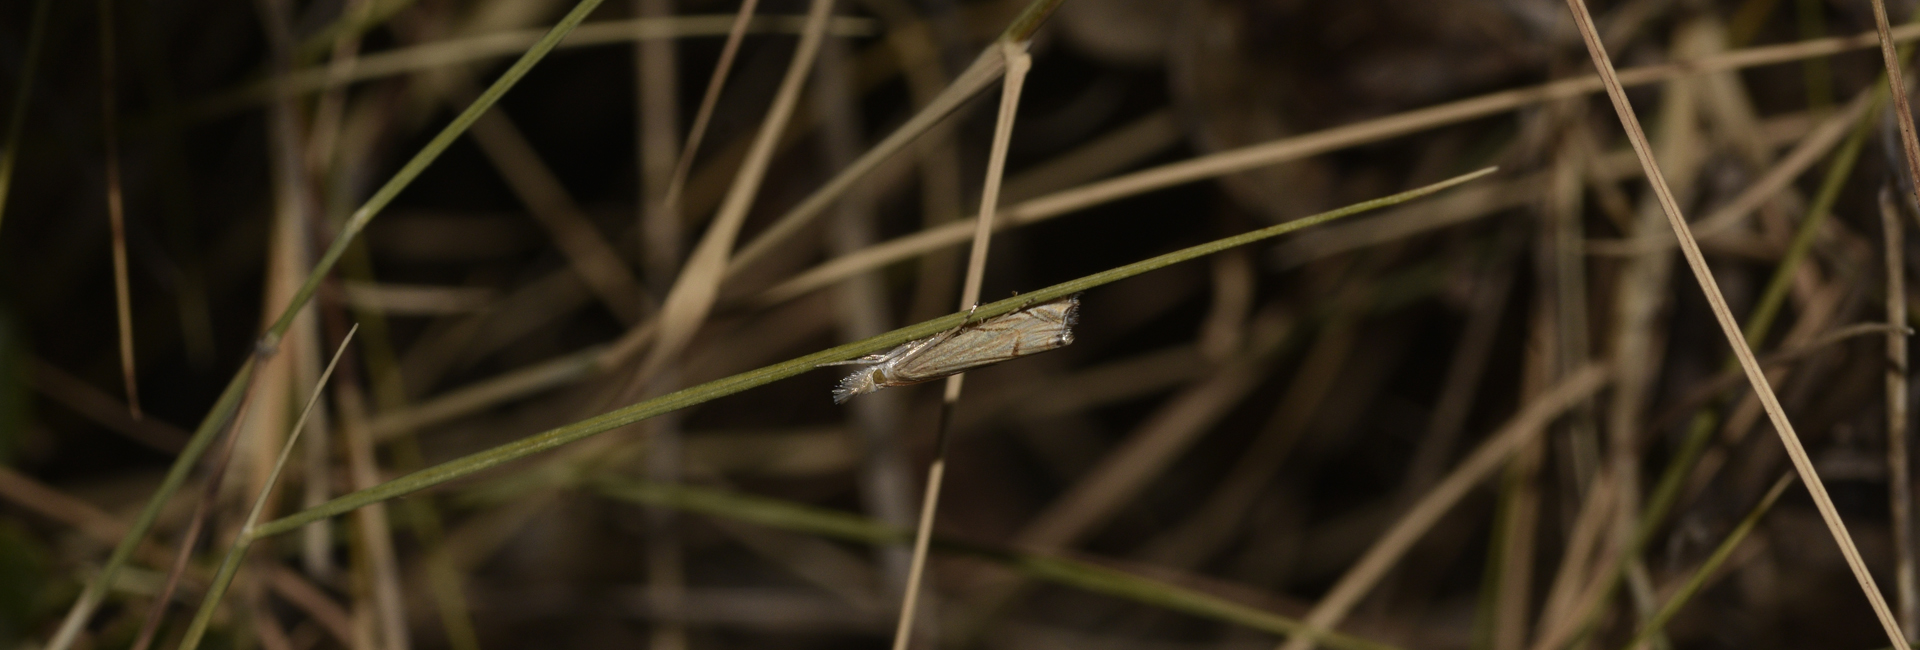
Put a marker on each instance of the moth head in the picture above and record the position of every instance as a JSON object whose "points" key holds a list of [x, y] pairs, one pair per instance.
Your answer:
{"points": [[859, 382], [1070, 319]]}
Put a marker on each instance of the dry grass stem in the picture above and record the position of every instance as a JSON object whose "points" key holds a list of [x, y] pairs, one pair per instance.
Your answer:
{"points": [[693, 293], [1493, 419], [1016, 63], [536, 185], [1298, 147], [985, 69], [661, 233], [1704, 276], [1160, 439], [116, 210], [1524, 427], [1899, 474], [1770, 184], [95, 404], [243, 542], [429, 56], [1902, 108]]}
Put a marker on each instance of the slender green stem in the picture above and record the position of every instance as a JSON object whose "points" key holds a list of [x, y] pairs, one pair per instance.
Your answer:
{"points": [[1699, 578], [223, 409], [1759, 323], [1091, 577], [96, 589], [721, 387], [224, 577], [420, 161]]}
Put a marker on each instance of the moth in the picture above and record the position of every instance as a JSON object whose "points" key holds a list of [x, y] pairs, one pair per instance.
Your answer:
{"points": [[1032, 330]]}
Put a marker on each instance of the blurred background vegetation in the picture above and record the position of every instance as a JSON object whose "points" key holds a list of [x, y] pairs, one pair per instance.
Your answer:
{"points": [[1210, 459]]}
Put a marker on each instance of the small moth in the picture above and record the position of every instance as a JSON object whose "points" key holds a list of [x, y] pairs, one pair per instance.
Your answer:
{"points": [[1031, 330]]}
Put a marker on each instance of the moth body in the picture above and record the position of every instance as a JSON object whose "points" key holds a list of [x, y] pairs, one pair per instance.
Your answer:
{"points": [[1032, 330]]}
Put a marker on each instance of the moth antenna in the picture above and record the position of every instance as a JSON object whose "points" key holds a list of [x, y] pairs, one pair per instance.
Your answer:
{"points": [[857, 361]]}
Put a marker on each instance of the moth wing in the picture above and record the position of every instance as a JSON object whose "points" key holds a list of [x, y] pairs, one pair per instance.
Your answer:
{"points": [[1033, 330], [871, 359]]}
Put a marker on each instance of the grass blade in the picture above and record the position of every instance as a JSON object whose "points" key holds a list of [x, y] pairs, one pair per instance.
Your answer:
{"points": [[1720, 554], [230, 397], [1073, 573], [224, 577], [1741, 348], [721, 387]]}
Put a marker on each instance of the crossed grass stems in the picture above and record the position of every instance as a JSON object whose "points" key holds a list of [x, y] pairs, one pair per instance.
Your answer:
{"points": [[223, 411]]}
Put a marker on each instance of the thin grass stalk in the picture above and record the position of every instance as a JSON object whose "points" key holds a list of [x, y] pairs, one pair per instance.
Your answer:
{"points": [[535, 378], [658, 233], [1279, 151], [224, 576], [382, 197], [540, 190], [1899, 479], [984, 69], [210, 493], [691, 299], [1016, 62], [459, 51], [376, 351], [1700, 429], [1840, 167], [322, 150], [1896, 85], [17, 117], [1762, 388], [116, 210], [915, 45], [1515, 546], [1078, 574], [657, 122], [1698, 580], [1385, 551], [91, 596], [230, 397], [434, 55], [1899, 474], [381, 597], [1641, 291], [729, 385], [884, 477]]}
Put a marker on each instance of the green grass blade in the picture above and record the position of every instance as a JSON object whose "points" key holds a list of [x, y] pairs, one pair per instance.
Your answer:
{"points": [[683, 398], [1720, 554], [238, 551], [977, 77], [807, 519], [223, 409], [96, 589], [1700, 429], [421, 160]]}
